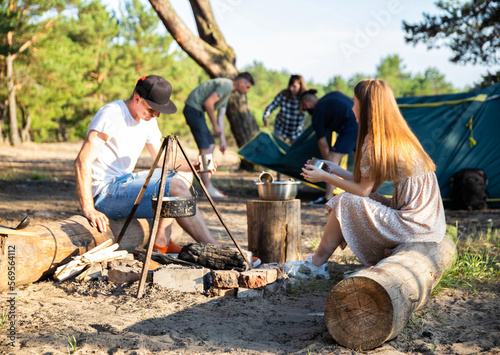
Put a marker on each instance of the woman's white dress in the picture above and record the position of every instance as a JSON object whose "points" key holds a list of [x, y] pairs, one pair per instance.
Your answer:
{"points": [[373, 225]]}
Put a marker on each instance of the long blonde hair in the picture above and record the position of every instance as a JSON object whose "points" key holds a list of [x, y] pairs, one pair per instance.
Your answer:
{"points": [[390, 140]]}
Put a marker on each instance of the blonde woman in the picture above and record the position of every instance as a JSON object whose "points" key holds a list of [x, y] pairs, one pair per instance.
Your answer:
{"points": [[371, 224]]}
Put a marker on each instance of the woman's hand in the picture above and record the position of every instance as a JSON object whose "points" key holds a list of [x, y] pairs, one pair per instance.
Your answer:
{"points": [[313, 174], [330, 166]]}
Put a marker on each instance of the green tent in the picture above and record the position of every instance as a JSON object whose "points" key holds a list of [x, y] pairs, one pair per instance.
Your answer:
{"points": [[458, 131]]}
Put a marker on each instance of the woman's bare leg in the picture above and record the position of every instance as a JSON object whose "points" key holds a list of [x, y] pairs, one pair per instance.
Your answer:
{"points": [[332, 237]]}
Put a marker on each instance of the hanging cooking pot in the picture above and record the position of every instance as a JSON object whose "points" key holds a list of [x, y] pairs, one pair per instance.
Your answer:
{"points": [[174, 206]]}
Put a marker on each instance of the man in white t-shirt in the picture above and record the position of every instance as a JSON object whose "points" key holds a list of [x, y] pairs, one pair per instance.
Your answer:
{"points": [[105, 182]]}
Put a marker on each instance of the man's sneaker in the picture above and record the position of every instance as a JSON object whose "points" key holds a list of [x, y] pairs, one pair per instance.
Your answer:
{"points": [[171, 248], [318, 202], [306, 269]]}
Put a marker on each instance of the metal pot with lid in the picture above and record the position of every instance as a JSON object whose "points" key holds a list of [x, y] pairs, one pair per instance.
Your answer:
{"points": [[174, 206]]}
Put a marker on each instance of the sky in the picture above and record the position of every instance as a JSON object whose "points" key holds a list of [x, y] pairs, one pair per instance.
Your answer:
{"points": [[320, 39]]}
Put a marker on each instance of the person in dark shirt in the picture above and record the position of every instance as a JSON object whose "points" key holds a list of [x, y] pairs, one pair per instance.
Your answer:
{"points": [[331, 113]]}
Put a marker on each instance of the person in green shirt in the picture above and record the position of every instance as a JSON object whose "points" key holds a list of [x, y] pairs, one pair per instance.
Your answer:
{"points": [[210, 96]]}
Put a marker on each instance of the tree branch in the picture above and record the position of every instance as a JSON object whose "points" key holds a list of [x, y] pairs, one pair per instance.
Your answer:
{"points": [[214, 60], [35, 37], [205, 22]]}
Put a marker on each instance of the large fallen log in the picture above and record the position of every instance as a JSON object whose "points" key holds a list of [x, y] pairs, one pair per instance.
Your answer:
{"points": [[373, 305], [36, 252]]}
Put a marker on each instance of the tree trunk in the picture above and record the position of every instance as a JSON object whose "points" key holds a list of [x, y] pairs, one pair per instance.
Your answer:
{"points": [[213, 54], [52, 244], [274, 230], [2, 119], [372, 306], [11, 88], [243, 124], [25, 131]]}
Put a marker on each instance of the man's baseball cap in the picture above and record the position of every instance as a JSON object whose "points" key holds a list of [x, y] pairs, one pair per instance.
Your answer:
{"points": [[156, 91]]}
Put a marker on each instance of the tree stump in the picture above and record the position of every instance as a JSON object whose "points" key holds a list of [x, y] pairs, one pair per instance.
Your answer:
{"points": [[274, 230], [373, 305]]}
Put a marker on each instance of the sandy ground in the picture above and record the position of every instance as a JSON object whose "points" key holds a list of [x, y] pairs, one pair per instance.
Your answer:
{"points": [[105, 318]]}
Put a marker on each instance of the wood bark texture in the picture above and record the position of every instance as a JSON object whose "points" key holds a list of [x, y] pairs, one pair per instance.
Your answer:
{"points": [[163, 259], [15, 140], [214, 55], [210, 50], [274, 230], [213, 257], [54, 243], [372, 306], [25, 131], [242, 122]]}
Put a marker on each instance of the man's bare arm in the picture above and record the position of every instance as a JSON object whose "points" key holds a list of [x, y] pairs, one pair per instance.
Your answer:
{"points": [[83, 173], [209, 105], [222, 124], [324, 148]]}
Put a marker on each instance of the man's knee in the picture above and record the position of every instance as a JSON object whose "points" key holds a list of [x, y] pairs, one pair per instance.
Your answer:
{"points": [[179, 188]]}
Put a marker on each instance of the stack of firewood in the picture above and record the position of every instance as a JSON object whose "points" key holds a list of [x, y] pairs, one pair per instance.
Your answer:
{"points": [[81, 263]]}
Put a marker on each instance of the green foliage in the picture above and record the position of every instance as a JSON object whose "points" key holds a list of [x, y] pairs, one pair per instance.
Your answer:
{"points": [[301, 286], [72, 344], [478, 261], [469, 28], [92, 57], [403, 83], [89, 57], [268, 83], [3, 318]]}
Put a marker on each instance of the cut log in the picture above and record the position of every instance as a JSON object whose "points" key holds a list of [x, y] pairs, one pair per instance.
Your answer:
{"points": [[274, 230], [213, 257], [163, 259], [38, 250], [373, 305]]}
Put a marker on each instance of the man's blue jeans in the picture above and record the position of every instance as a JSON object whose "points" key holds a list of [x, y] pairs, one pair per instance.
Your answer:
{"points": [[117, 198]]}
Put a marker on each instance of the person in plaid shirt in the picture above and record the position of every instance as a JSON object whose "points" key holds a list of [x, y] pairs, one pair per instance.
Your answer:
{"points": [[289, 121]]}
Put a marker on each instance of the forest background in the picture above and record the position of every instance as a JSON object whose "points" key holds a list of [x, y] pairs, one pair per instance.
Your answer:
{"points": [[72, 57]]}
